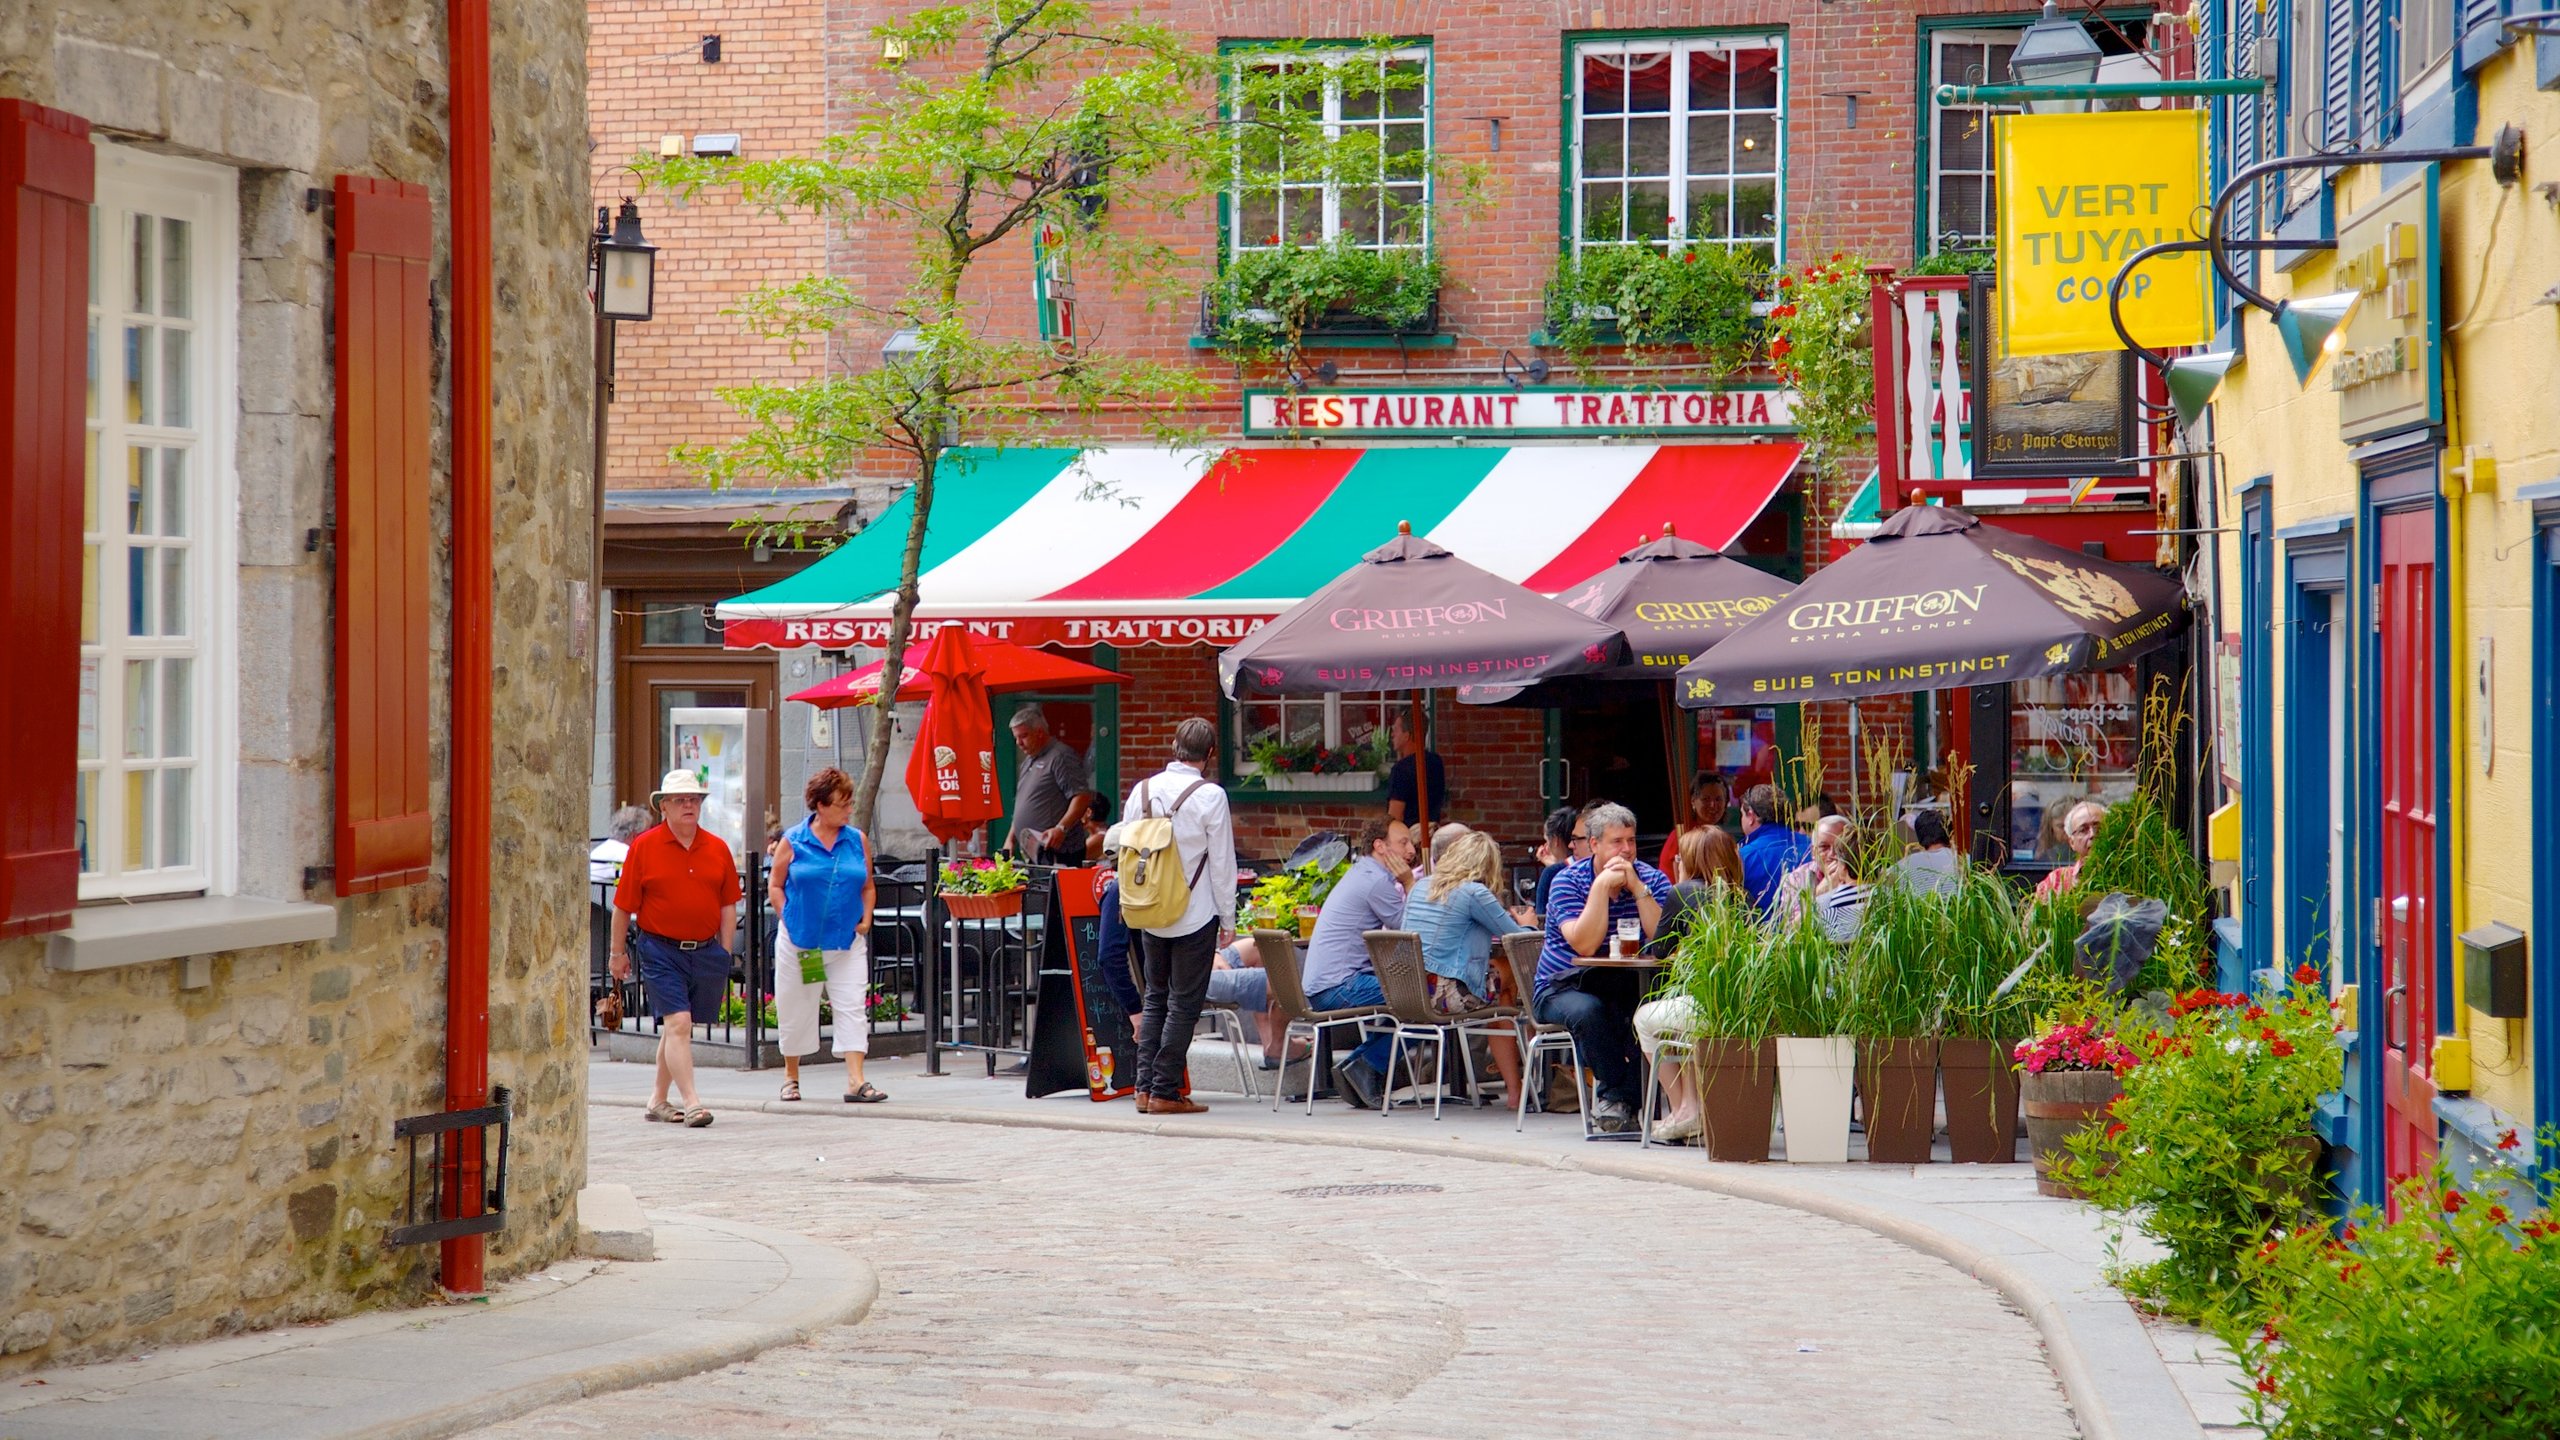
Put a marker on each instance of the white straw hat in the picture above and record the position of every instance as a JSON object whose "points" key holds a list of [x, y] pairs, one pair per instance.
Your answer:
{"points": [[679, 782]]}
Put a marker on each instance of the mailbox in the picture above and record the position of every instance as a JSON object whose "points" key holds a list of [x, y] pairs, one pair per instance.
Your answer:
{"points": [[2493, 979]]}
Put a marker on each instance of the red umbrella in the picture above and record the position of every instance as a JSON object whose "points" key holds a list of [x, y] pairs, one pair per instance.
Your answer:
{"points": [[1004, 665], [952, 773]]}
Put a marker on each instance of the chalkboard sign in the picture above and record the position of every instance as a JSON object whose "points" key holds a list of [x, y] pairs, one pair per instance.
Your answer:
{"points": [[1109, 1038]]}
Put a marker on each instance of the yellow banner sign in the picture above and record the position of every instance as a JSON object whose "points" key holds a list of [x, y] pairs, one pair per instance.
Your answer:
{"points": [[2079, 194]]}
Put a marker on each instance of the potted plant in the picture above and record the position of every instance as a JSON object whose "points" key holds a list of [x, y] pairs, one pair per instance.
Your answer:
{"points": [[1894, 998], [982, 889], [1312, 765], [1292, 898], [1700, 294], [1799, 972], [1990, 1008], [2069, 1078], [1269, 300], [1735, 1064]]}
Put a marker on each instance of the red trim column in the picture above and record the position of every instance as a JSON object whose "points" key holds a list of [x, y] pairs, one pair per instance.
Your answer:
{"points": [[466, 1039]]}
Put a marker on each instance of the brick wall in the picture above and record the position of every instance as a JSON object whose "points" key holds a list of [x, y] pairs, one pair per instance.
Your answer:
{"points": [[647, 80]]}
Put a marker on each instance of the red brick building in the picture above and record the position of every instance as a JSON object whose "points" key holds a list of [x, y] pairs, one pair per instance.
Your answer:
{"points": [[1797, 129]]}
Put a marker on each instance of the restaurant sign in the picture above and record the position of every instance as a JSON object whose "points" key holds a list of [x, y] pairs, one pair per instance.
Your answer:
{"points": [[1502, 412], [2385, 371]]}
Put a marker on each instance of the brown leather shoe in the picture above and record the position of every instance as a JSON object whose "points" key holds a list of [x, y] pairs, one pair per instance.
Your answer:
{"points": [[1178, 1105], [1146, 1103]]}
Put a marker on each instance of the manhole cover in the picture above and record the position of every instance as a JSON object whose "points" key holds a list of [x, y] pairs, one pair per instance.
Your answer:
{"points": [[1329, 1192], [907, 1180]]}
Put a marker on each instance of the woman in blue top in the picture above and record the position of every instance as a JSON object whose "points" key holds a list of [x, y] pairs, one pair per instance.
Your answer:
{"points": [[1459, 920], [821, 887]]}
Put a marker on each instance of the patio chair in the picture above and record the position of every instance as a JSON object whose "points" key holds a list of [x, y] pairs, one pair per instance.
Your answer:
{"points": [[1230, 1024], [1672, 1051], [1396, 956], [1536, 1036], [1289, 998]]}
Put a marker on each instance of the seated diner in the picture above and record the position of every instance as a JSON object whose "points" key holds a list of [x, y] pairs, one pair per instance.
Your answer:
{"points": [[1588, 902]]}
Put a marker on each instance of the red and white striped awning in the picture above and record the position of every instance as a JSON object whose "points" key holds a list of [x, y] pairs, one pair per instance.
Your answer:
{"points": [[1133, 545]]}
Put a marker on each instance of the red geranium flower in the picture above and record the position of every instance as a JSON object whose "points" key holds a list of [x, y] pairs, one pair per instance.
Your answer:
{"points": [[2444, 1255], [2280, 1048], [2508, 1141], [2497, 1214], [2453, 1202], [2266, 1384], [2307, 973]]}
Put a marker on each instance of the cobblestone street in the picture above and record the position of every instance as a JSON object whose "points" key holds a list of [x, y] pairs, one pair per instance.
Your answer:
{"points": [[1044, 1283]]}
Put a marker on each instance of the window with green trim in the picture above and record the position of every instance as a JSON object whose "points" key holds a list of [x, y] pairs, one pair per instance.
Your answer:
{"points": [[1366, 182], [1960, 209], [1680, 139], [1333, 721]]}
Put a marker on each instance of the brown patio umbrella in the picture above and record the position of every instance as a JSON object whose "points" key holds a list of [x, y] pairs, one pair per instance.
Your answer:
{"points": [[1936, 600], [1411, 616]]}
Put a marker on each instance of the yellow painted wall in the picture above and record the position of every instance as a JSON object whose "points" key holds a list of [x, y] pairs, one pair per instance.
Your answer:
{"points": [[2505, 348]]}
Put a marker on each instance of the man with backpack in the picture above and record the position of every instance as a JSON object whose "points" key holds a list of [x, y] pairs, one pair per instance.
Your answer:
{"points": [[1177, 875]]}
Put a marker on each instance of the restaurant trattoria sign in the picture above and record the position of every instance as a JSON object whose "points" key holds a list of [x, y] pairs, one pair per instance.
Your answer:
{"points": [[1504, 413]]}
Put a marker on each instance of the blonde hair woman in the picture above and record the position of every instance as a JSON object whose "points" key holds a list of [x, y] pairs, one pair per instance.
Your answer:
{"points": [[1459, 917]]}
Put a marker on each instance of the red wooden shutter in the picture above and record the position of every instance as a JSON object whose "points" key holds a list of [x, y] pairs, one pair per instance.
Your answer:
{"points": [[386, 238], [48, 176]]}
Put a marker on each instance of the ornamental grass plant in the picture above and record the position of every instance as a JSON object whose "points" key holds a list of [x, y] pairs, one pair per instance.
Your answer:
{"points": [[2210, 1149], [2442, 1322], [1717, 964], [1800, 973], [1894, 975]]}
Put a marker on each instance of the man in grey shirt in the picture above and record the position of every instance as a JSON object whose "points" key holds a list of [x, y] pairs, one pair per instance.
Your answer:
{"points": [[1050, 792], [1370, 896]]}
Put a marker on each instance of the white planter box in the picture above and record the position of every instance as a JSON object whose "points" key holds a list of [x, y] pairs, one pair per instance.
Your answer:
{"points": [[1349, 781], [1815, 1074]]}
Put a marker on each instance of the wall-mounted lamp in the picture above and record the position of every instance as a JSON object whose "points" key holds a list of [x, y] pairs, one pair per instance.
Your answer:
{"points": [[1535, 370], [716, 147], [626, 266], [2055, 51]]}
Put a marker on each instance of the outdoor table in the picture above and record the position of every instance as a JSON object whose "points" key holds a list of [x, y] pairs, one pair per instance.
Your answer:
{"points": [[1638, 961]]}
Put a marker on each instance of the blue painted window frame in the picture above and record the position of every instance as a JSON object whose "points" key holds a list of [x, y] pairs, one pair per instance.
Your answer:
{"points": [[2257, 730], [2545, 1001]]}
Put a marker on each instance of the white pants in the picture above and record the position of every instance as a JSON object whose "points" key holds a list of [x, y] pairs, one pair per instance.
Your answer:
{"points": [[1673, 1017], [796, 1003]]}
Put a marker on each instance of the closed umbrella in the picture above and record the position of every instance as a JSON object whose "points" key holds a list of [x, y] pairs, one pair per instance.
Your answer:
{"points": [[952, 772], [1003, 665], [1936, 600]]}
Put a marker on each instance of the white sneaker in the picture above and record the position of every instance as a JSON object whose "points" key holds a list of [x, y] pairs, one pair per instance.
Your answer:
{"points": [[1676, 1132]]}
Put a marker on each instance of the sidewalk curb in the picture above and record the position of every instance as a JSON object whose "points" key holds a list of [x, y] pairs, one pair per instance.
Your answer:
{"points": [[2051, 1314], [850, 1283]]}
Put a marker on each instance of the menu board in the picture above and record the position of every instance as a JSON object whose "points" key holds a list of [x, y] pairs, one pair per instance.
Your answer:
{"points": [[1110, 1056]]}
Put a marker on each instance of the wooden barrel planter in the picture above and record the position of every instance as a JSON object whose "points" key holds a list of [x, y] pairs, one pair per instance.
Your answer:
{"points": [[1899, 1079], [1982, 1101], [1738, 1093], [2056, 1106]]}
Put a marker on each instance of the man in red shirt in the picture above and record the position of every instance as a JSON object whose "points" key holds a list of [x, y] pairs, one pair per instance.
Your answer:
{"points": [[680, 883]]}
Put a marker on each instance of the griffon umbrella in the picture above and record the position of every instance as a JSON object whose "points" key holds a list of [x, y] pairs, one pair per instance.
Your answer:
{"points": [[1936, 600], [1412, 616], [1671, 598]]}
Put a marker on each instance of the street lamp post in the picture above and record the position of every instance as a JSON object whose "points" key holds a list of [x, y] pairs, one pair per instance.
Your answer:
{"points": [[2055, 51], [622, 273]]}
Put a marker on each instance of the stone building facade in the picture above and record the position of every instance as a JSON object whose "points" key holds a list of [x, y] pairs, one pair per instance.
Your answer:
{"points": [[200, 1074]]}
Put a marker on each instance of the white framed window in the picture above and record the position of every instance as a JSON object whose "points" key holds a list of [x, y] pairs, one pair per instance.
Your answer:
{"points": [[1335, 721], [158, 516], [1964, 203], [1680, 139], [1379, 97]]}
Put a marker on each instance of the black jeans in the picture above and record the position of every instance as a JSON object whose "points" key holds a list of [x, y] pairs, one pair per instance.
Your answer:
{"points": [[1175, 975], [1599, 1007]]}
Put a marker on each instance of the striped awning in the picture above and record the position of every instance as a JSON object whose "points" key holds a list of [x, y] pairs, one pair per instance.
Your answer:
{"points": [[1134, 545]]}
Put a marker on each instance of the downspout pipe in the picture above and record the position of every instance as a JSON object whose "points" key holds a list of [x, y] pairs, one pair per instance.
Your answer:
{"points": [[462, 1262]]}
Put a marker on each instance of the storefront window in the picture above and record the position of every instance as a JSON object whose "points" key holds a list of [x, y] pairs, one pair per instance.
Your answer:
{"points": [[1679, 138], [2071, 738], [664, 622], [1741, 745], [1330, 720]]}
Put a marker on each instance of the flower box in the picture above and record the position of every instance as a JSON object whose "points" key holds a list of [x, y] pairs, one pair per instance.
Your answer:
{"points": [[982, 907], [1340, 782]]}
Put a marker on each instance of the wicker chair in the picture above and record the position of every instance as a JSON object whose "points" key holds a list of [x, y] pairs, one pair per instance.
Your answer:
{"points": [[1289, 998], [1396, 956], [1537, 1037]]}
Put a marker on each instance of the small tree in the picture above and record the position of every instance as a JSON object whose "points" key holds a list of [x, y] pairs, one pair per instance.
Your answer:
{"points": [[1002, 119]]}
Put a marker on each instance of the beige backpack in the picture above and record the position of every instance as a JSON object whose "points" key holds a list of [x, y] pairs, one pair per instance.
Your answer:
{"points": [[1154, 892]]}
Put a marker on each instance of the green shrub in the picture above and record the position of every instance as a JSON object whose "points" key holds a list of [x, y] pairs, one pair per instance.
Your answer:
{"points": [[2444, 1322], [1268, 300], [1697, 294], [2210, 1149]]}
